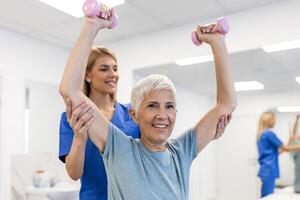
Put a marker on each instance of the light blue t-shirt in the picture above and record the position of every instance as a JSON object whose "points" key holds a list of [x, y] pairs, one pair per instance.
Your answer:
{"points": [[137, 173]]}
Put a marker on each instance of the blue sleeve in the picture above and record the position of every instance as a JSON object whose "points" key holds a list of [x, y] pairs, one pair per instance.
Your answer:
{"points": [[117, 143], [65, 137], [185, 144], [274, 140]]}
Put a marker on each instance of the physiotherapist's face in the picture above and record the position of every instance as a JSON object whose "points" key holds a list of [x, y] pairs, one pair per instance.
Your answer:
{"points": [[272, 121], [104, 75]]}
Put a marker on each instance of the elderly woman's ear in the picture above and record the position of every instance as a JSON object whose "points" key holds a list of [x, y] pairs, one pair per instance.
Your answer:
{"points": [[133, 114]]}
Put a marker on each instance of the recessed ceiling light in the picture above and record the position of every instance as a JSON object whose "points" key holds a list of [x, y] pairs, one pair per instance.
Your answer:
{"points": [[288, 108], [74, 7], [298, 79], [248, 85], [282, 46], [194, 60]]}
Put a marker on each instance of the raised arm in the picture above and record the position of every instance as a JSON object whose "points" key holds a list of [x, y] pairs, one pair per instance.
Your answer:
{"points": [[73, 77], [294, 135], [226, 96], [295, 127]]}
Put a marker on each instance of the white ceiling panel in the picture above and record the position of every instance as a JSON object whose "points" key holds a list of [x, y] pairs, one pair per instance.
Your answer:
{"points": [[31, 14], [235, 5], [62, 42], [134, 21], [68, 31], [275, 74], [247, 64], [137, 17], [172, 12], [108, 36], [12, 25], [289, 60]]}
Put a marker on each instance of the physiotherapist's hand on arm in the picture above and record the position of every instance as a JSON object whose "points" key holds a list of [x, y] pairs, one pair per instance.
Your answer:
{"points": [[289, 148], [74, 74], [221, 126], [80, 121], [206, 128]]}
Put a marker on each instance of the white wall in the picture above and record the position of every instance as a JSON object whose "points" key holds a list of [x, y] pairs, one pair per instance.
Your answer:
{"points": [[45, 106], [12, 121], [21, 57]]}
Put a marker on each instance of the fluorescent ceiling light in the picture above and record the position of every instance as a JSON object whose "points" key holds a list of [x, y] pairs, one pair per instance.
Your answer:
{"points": [[282, 46], [298, 79], [248, 85], [74, 7], [194, 60], [288, 108]]}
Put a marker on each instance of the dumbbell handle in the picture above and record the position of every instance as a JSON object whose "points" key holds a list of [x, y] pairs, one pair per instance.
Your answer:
{"points": [[91, 9], [222, 27]]}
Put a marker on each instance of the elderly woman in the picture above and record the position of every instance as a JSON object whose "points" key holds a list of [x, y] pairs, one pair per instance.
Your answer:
{"points": [[151, 167]]}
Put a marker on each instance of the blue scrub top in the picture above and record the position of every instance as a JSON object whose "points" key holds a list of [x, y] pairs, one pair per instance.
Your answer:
{"points": [[94, 180], [268, 146]]}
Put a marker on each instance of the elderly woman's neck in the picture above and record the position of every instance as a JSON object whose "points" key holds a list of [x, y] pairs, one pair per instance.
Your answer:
{"points": [[155, 147]]}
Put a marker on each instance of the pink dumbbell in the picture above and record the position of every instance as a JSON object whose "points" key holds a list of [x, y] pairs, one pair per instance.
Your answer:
{"points": [[91, 8], [222, 27]]}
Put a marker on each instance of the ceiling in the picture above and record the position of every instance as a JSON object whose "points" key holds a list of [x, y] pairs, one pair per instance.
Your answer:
{"points": [[276, 71], [136, 17]]}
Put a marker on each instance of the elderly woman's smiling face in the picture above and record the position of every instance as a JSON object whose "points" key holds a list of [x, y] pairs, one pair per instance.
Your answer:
{"points": [[156, 117]]}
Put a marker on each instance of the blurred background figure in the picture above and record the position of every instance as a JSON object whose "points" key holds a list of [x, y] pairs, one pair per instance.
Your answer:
{"points": [[269, 147], [295, 140]]}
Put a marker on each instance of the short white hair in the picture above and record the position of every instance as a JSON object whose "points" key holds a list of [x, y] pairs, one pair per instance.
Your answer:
{"points": [[148, 84]]}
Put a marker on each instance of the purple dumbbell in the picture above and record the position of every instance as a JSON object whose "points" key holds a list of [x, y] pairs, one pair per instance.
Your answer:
{"points": [[222, 27], [91, 8]]}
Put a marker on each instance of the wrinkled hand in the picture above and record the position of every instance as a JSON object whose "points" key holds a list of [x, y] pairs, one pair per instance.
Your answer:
{"points": [[208, 34], [102, 21], [80, 119], [221, 126]]}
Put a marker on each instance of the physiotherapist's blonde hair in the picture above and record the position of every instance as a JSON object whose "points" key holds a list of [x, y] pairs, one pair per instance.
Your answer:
{"points": [[263, 122]]}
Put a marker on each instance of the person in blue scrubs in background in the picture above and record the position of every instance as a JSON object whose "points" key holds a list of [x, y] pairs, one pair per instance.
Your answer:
{"points": [[269, 147], [295, 140]]}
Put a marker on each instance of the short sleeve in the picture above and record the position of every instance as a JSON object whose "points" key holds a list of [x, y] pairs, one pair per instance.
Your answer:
{"points": [[117, 143], [185, 144], [65, 137], [274, 140]]}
